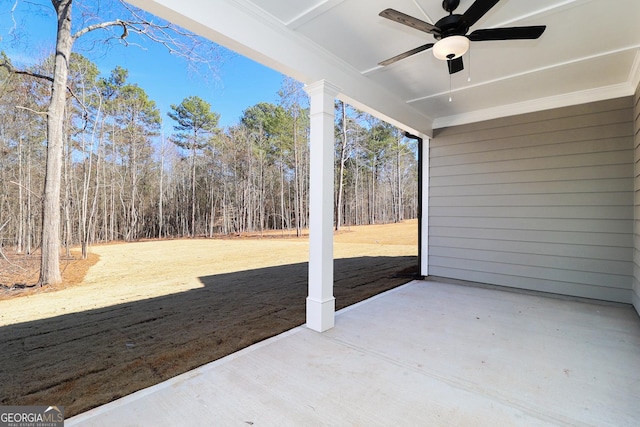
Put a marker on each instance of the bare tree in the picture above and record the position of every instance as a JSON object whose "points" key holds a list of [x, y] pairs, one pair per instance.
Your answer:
{"points": [[196, 124], [294, 100], [342, 159], [170, 36]]}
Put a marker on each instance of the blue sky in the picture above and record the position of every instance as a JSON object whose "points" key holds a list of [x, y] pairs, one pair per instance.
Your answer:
{"points": [[27, 32]]}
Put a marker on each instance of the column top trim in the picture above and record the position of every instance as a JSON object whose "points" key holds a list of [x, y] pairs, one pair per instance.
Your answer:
{"points": [[322, 86]]}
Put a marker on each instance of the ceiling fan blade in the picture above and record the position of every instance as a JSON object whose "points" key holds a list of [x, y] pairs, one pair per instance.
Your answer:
{"points": [[406, 54], [477, 10], [507, 33], [410, 21], [455, 65]]}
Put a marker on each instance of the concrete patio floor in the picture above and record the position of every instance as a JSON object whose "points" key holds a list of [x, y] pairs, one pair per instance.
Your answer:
{"points": [[426, 353]]}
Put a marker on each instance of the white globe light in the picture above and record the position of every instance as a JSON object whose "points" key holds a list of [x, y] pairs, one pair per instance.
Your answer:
{"points": [[451, 47]]}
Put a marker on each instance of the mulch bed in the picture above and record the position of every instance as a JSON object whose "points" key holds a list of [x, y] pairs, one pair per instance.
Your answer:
{"points": [[19, 272]]}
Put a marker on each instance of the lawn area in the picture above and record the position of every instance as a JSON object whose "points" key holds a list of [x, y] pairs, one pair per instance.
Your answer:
{"points": [[147, 311]]}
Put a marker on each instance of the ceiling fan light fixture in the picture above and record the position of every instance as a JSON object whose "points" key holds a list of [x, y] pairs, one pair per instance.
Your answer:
{"points": [[451, 47]]}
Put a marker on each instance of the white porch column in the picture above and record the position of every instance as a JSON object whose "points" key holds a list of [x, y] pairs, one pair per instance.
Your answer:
{"points": [[424, 209], [320, 301]]}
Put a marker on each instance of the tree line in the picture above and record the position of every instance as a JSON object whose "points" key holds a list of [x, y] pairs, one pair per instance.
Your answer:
{"points": [[125, 178]]}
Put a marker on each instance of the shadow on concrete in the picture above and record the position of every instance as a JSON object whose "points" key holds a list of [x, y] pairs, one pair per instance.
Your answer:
{"points": [[82, 360]]}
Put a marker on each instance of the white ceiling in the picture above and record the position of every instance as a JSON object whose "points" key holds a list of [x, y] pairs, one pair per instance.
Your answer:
{"points": [[590, 51]]}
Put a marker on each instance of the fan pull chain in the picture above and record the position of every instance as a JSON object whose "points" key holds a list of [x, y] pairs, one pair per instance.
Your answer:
{"points": [[450, 99], [469, 67]]}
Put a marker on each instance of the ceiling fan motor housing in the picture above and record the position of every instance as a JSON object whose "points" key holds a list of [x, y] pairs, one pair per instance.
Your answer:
{"points": [[452, 25]]}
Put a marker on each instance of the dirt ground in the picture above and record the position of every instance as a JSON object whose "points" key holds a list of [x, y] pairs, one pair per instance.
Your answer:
{"points": [[136, 314]]}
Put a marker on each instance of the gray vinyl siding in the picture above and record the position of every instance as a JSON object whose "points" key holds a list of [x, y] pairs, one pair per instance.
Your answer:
{"points": [[541, 201], [636, 228]]}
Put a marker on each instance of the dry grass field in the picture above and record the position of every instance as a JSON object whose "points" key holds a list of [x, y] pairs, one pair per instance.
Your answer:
{"points": [[136, 314]]}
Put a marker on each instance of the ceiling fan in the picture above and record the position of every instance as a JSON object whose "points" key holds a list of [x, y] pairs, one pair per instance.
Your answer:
{"points": [[451, 32]]}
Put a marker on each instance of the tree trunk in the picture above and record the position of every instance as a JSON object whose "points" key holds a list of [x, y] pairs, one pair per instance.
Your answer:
{"points": [[68, 202], [193, 189], [355, 191], [112, 196], [373, 191], [298, 178], [133, 212], [21, 216], [29, 224], [343, 159], [50, 264], [161, 191], [400, 216], [212, 209], [282, 220], [92, 213]]}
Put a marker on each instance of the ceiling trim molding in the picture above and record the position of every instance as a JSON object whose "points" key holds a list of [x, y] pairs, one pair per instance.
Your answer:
{"points": [[634, 74], [540, 12], [526, 73], [556, 101], [310, 14], [424, 12]]}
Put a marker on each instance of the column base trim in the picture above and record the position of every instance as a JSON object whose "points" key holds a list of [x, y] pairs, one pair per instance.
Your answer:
{"points": [[321, 314]]}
